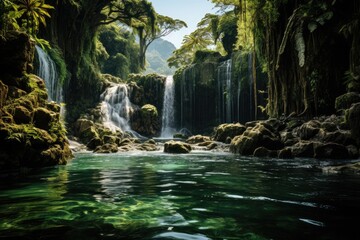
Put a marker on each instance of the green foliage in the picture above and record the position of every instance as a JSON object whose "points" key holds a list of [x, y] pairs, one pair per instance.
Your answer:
{"points": [[117, 51], [57, 57], [206, 55]]}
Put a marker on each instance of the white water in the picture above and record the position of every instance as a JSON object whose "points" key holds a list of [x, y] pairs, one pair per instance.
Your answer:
{"points": [[47, 71], [116, 107], [224, 90], [167, 130]]}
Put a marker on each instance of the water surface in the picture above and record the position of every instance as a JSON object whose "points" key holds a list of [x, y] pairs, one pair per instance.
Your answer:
{"points": [[196, 196]]}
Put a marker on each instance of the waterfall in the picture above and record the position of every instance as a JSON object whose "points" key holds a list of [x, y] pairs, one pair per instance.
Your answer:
{"points": [[251, 84], [168, 120], [116, 107], [47, 71], [224, 91]]}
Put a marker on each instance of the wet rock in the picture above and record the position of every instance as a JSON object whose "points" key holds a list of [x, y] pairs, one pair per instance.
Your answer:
{"points": [[107, 148], [146, 121], [339, 137], [89, 133], [147, 147], [353, 151], [331, 151], [197, 139], [228, 130], [176, 147], [303, 149], [252, 138], [350, 168], [262, 152], [94, 143], [285, 153]]}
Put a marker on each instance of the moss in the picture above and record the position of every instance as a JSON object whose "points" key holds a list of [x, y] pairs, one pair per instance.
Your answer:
{"points": [[149, 111], [57, 56], [202, 56], [346, 100]]}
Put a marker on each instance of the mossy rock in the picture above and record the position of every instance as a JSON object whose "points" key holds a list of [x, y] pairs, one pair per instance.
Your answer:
{"points": [[43, 117], [197, 139], [346, 100], [94, 143], [107, 148], [224, 131], [353, 119], [149, 111], [331, 151], [176, 147], [22, 115], [3, 93]]}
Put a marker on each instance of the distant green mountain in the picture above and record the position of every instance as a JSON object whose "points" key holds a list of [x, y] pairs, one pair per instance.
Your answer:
{"points": [[157, 54]]}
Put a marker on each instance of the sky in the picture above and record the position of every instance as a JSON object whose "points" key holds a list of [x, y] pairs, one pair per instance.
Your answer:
{"points": [[189, 11]]}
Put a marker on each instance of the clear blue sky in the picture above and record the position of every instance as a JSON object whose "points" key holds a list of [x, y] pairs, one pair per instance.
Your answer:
{"points": [[190, 11]]}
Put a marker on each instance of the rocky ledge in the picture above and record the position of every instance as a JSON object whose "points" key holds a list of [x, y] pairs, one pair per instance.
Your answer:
{"points": [[31, 133]]}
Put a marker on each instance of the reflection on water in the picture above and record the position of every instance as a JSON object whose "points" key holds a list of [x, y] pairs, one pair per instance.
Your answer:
{"points": [[197, 196]]}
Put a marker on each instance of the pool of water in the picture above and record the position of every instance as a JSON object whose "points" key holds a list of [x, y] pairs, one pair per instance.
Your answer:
{"points": [[196, 196]]}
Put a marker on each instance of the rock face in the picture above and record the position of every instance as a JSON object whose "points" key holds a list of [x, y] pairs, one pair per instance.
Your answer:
{"points": [[354, 121], [31, 134]]}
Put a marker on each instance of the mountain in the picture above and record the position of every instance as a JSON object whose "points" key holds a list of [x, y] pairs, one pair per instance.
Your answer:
{"points": [[157, 54]]}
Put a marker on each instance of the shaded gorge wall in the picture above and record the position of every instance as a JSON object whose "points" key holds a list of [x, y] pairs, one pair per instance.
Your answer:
{"points": [[211, 93]]}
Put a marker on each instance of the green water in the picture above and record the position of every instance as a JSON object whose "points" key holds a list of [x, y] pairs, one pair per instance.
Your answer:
{"points": [[197, 196]]}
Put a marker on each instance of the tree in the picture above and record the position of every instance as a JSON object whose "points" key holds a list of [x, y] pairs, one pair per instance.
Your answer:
{"points": [[32, 13], [164, 25]]}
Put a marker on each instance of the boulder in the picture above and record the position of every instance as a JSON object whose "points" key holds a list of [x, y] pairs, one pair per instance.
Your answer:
{"points": [[346, 100], [308, 130], [228, 130], [285, 153], [22, 115], [350, 168], [303, 149], [81, 125], [88, 134], [262, 152], [197, 139], [43, 117], [107, 148], [176, 147], [94, 143], [339, 137], [252, 138], [146, 121], [331, 151]]}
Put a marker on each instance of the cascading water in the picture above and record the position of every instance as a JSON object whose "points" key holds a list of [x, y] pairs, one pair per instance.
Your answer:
{"points": [[116, 107], [168, 121], [224, 91], [47, 71]]}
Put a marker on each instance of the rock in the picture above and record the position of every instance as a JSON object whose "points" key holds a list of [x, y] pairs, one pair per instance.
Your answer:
{"points": [[88, 134], [350, 168], [197, 139], [3, 93], [346, 100], [22, 115], [125, 142], [42, 118], [308, 130], [107, 148], [17, 53], [354, 121], [111, 139], [262, 152], [53, 155], [81, 125], [252, 138], [329, 126], [147, 147], [340, 137], [294, 123], [176, 147], [212, 146], [53, 106], [151, 141], [146, 121], [94, 143], [303, 149], [276, 124], [353, 151], [331, 151], [223, 131], [285, 153]]}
